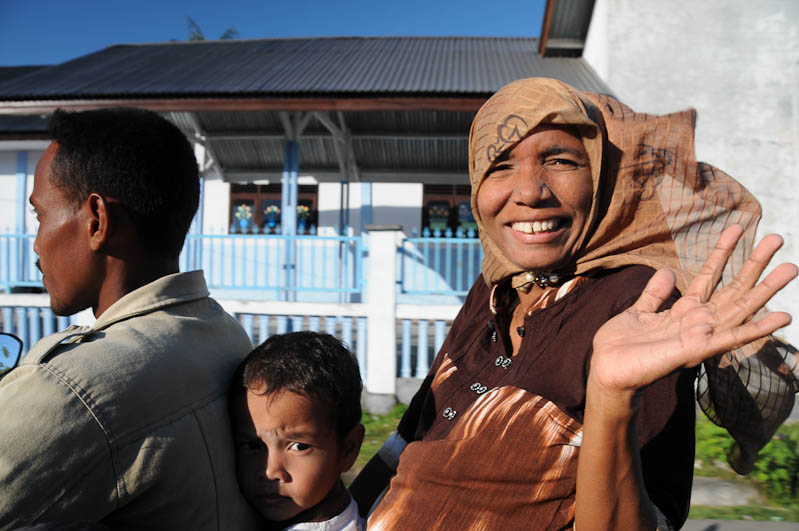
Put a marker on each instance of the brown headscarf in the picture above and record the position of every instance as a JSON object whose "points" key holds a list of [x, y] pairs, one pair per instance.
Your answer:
{"points": [[653, 205]]}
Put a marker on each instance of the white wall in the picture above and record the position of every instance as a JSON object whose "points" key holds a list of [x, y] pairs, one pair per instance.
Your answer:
{"points": [[392, 204], [216, 203], [8, 191], [398, 203], [737, 63], [9, 208]]}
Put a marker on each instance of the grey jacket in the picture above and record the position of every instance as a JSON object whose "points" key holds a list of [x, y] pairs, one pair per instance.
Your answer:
{"points": [[126, 422]]}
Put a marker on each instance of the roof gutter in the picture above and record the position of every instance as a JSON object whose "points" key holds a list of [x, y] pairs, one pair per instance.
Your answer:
{"points": [[542, 41], [426, 103]]}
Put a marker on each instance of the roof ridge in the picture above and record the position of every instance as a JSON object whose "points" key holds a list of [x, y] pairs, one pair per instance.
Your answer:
{"points": [[327, 37]]}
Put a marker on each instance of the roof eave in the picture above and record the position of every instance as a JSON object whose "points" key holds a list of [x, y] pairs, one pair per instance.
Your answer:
{"points": [[426, 102]]}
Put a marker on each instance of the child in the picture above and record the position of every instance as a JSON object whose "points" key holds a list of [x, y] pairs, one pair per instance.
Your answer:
{"points": [[296, 405]]}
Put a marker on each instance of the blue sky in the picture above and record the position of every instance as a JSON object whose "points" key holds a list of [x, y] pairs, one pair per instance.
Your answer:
{"points": [[51, 32]]}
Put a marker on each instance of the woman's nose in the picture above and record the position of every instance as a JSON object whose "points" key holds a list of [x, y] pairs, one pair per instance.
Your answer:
{"points": [[530, 186]]}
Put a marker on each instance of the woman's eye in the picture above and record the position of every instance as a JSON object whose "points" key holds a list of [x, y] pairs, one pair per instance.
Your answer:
{"points": [[300, 447], [561, 164], [501, 167]]}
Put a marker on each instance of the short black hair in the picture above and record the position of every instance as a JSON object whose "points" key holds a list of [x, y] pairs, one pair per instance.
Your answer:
{"points": [[136, 157], [315, 365]]}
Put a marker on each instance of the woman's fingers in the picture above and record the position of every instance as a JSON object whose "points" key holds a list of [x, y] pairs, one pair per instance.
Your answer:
{"points": [[708, 276], [726, 340], [751, 270], [657, 290], [735, 309]]}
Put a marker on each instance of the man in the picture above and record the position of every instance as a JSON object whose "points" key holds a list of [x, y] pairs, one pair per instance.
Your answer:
{"points": [[124, 422]]}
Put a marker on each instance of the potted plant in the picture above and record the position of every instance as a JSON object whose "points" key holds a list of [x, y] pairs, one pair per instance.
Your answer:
{"points": [[303, 213], [243, 214]]}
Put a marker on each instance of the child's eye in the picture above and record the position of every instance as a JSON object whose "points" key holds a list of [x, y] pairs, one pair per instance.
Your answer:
{"points": [[252, 446], [300, 447]]}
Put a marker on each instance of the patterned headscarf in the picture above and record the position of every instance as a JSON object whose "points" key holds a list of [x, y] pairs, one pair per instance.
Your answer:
{"points": [[653, 205]]}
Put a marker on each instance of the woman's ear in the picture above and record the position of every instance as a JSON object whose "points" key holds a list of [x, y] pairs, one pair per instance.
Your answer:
{"points": [[98, 223], [351, 447]]}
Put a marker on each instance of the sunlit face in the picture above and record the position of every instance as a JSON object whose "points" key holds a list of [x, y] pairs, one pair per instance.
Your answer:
{"points": [[61, 242], [288, 454], [535, 201]]}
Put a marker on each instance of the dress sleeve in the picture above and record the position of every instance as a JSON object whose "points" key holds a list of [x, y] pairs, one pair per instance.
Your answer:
{"points": [[56, 461]]}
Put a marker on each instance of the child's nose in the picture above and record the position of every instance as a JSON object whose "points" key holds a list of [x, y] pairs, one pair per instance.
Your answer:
{"points": [[275, 471]]}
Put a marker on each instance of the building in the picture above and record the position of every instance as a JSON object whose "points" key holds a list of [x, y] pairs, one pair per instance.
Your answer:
{"points": [[372, 132]]}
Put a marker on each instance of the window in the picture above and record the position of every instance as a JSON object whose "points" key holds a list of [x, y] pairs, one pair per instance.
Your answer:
{"points": [[447, 207], [255, 208]]}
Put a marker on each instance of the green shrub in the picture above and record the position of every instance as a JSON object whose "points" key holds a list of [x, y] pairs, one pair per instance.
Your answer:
{"points": [[777, 465], [776, 469], [712, 445]]}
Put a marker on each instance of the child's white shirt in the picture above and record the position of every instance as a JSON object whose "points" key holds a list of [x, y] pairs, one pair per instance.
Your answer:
{"points": [[346, 520]]}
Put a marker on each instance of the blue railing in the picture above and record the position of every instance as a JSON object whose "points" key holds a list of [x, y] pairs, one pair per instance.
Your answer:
{"points": [[18, 262], [418, 341], [31, 323], [274, 267], [277, 263], [440, 263], [416, 350], [350, 330]]}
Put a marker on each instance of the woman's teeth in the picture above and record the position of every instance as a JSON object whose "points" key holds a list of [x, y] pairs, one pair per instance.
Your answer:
{"points": [[534, 227]]}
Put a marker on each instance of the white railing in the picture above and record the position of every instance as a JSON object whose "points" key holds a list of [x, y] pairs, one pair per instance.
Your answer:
{"points": [[390, 340]]}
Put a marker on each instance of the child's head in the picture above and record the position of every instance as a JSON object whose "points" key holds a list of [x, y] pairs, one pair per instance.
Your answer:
{"points": [[296, 404]]}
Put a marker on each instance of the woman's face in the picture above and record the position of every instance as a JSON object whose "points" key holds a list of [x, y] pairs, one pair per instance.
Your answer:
{"points": [[535, 201]]}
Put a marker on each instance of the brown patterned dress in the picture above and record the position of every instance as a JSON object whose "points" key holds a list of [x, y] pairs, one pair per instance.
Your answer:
{"points": [[493, 440]]}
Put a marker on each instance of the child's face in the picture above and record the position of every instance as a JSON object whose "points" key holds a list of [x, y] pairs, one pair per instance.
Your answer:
{"points": [[288, 454]]}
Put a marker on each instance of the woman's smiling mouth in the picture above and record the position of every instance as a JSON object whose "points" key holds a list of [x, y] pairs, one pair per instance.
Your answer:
{"points": [[537, 227]]}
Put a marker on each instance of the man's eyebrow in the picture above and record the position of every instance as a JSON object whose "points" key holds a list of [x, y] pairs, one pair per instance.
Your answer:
{"points": [[559, 150]]}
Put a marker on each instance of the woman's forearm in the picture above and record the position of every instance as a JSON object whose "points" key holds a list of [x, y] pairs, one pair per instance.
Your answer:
{"points": [[610, 487]]}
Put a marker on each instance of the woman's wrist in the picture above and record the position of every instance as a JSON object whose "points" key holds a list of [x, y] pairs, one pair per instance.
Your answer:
{"points": [[609, 402]]}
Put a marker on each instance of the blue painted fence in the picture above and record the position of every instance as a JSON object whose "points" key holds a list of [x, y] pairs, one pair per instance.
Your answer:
{"points": [[18, 262], [440, 263], [261, 263], [255, 266], [31, 323], [418, 342]]}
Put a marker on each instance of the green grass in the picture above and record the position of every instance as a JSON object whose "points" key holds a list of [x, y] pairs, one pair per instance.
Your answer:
{"points": [[745, 512], [378, 429]]}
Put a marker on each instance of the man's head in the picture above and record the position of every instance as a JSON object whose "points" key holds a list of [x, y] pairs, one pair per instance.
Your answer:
{"points": [[124, 173], [296, 415]]}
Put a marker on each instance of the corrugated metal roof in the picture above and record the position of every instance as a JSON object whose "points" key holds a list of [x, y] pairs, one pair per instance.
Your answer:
{"points": [[10, 72], [569, 27], [315, 66]]}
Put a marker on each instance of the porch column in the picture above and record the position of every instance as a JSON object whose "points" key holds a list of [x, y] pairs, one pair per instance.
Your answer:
{"points": [[366, 205], [288, 211], [22, 202], [381, 341]]}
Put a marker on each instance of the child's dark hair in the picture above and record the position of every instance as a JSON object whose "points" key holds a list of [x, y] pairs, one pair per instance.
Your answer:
{"points": [[307, 363]]}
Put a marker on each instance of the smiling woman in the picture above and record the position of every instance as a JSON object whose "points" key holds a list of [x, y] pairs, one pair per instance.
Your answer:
{"points": [[563, 395], [535, 199]]}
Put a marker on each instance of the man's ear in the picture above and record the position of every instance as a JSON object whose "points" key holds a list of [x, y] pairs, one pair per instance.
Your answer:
{"points": [[99, 221], [351, 447]]}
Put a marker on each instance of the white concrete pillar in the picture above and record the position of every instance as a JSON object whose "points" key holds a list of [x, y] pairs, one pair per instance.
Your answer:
{"points": [[381, 342]]}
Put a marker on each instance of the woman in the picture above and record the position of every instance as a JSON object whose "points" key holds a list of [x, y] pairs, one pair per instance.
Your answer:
{"points": [[558, 351]]}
